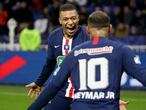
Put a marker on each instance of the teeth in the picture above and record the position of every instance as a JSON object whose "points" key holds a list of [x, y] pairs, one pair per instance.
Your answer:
{"points": [[71, 28]]}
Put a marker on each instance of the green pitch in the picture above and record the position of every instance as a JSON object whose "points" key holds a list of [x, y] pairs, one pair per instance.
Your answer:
{"points": [[15, 98], [136, 98]]}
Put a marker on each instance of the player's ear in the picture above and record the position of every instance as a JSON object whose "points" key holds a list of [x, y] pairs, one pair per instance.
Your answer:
{"points": [[110, 29], [89, 30], [78, 17], [59, 20]]}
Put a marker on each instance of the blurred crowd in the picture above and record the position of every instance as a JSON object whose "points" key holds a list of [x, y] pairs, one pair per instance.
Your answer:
{"points": [[128, 17]]}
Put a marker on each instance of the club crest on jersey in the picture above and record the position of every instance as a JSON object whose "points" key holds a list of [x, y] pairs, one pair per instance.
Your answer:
{"points": [[66, 47]]}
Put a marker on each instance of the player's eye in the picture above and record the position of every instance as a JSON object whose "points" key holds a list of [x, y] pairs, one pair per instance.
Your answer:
{"points": [[74, 18], [65, 19]]}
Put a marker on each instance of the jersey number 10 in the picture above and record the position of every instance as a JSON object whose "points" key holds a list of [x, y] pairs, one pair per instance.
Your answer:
{"points": [[87, 73]]}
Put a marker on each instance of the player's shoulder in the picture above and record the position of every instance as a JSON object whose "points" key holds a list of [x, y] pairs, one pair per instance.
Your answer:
{"points": [[115, 44], [57, 32], [83, 45], [83, 28], [119, 46]]}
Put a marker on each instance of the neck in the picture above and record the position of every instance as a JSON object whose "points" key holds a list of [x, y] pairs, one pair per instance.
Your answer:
{"points": [[67, 37], [100, 33]]}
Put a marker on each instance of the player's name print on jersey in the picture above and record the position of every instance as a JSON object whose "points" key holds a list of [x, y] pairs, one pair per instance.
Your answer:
{"points": [[94, 95], [94, 51]]}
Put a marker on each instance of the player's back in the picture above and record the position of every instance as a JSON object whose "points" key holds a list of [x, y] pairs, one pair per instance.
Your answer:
{"points": [[100, 70], [95, 68]]}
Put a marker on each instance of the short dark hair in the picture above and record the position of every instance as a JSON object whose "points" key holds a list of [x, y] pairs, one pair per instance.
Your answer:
{"points": [[99, 19], [67, 7]]}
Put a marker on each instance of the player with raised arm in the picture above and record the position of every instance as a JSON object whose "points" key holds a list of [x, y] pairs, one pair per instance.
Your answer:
{"points": [[95, 67], [60, 43]]}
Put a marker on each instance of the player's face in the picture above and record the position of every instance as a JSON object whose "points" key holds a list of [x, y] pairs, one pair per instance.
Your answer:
{"points": [[69, 21]]}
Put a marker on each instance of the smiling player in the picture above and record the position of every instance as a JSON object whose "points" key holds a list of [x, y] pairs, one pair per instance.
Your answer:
{"points": [[60, 43]]}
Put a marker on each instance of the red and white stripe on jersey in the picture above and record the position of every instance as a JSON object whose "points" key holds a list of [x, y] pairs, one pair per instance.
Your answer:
{"points": [[70, 89], [66, 48]]}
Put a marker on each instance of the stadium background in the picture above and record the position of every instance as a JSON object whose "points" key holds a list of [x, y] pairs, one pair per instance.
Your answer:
{"points": [[18, 67]]}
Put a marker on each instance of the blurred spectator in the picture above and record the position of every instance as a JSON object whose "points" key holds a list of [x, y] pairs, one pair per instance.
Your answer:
{"points": [[144, 22], [136, 23], [54, 13], [42, 25], [90, 6], [144, 16], [37, 4], [135, 29], [30, 39], [117, 15], [81, 2], [3, 20], [108, 10], [23, 15], [8, 5], [4, 15], [133, 5], [83, 15], [127, 15], [121, 30]]}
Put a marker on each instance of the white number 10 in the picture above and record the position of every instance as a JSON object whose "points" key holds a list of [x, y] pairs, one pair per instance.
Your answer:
{"points": [[87, 73]]}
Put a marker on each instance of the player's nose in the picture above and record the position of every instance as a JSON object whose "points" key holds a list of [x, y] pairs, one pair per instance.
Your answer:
{"points": [[70, 21]]}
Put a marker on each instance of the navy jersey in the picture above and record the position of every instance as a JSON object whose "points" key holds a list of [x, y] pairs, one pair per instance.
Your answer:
{"points": [[59, 46], [95, 69]]}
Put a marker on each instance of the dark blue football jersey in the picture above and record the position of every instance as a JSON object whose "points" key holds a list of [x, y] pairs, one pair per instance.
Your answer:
{"points": [[58, 47], [95, 68]]}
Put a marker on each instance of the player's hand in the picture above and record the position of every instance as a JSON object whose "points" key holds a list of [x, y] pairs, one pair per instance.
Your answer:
{"points": [[34, 90], [123, 104]]}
